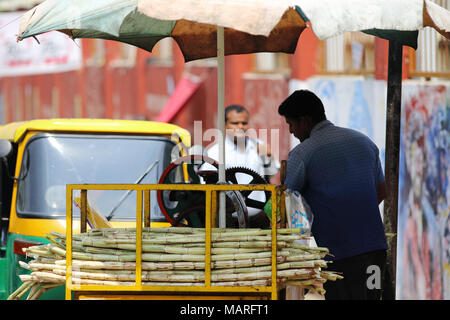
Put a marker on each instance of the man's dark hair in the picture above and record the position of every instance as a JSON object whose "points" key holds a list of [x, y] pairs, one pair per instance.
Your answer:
{"points": [[234, 107], [302, 103]]}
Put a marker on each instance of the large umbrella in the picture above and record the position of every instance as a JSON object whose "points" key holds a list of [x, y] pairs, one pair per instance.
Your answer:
{"points": [[214, 28]]}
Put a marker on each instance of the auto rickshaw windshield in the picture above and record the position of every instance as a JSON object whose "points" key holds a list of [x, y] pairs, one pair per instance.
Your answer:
{"points": [[51, 161]]}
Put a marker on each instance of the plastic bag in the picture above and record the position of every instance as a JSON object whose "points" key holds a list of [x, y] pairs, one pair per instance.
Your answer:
{"points": [[298, 212]]}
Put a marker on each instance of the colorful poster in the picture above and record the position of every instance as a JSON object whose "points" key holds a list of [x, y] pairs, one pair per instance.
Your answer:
{"points": [[423, 248], [49, 53]]}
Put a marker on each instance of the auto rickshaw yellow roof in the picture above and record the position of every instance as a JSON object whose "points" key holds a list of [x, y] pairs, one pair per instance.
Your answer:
{"points": [[16, 130]]}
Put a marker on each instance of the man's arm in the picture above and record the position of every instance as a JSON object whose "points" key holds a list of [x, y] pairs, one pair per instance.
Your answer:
{"points": [[380, 179], [295, 174]]}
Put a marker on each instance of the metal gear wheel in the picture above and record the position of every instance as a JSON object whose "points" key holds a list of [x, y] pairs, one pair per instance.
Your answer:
{"points": [[256, 178]]}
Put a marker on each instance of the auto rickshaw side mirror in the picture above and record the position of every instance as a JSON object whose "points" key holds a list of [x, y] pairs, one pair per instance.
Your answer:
{"points": [[5, 148]]}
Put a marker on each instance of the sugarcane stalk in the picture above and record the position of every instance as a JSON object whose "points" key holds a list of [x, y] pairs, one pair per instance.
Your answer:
{"points": [[297, 278], [19, 292], [252, 244], [328, 275], [26, 277], [244, 263], [45, 260], [243, 270], [252, 283], [94, 256], [34, 289], [24, 265], [48, 277], [303, 257], [101, 282], [54, 240], [241, 276], [57, 251], [35, 266], [113, 252], [243, 256], [24, 290], [305, 283], [35, 251], [302, 264], [178, 284], [295, 251], [309, 249], [172, 257], [295, 272], [154, 276], [39, 293]]}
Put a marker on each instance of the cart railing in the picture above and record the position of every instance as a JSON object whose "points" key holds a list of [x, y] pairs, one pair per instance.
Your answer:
{"points": [[143, 218]]}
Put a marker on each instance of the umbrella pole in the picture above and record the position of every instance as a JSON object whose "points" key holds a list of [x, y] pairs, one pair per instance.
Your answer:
{"points": [[221, 119], [394, 96]]}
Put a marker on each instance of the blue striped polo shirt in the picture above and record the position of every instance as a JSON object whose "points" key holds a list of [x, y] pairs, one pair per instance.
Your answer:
{"points": [[337, 170]]}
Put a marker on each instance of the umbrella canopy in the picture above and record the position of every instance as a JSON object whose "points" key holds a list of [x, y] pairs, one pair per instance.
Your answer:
{"points": [[120, 20], [267, 26], [390, 19]]}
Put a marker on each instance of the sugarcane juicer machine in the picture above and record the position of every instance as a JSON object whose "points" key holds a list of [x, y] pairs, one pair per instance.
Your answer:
{"points": [[187, 207]]}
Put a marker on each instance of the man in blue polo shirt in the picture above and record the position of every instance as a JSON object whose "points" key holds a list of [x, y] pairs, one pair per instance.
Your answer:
{"points": [[338, 171]]}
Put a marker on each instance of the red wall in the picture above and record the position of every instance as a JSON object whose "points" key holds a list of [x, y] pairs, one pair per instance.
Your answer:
{"points": [[381, 59], [304, 60]]}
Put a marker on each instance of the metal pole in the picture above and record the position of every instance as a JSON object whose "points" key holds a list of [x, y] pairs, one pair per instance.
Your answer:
{"points": [[221, 119], [393, 114]]}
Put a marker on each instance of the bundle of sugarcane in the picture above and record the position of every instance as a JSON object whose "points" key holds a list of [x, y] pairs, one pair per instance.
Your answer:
{"points": [[175, 256]]}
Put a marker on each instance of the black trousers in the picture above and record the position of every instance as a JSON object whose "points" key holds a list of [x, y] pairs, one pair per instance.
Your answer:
{"points": [[363, 277]]}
